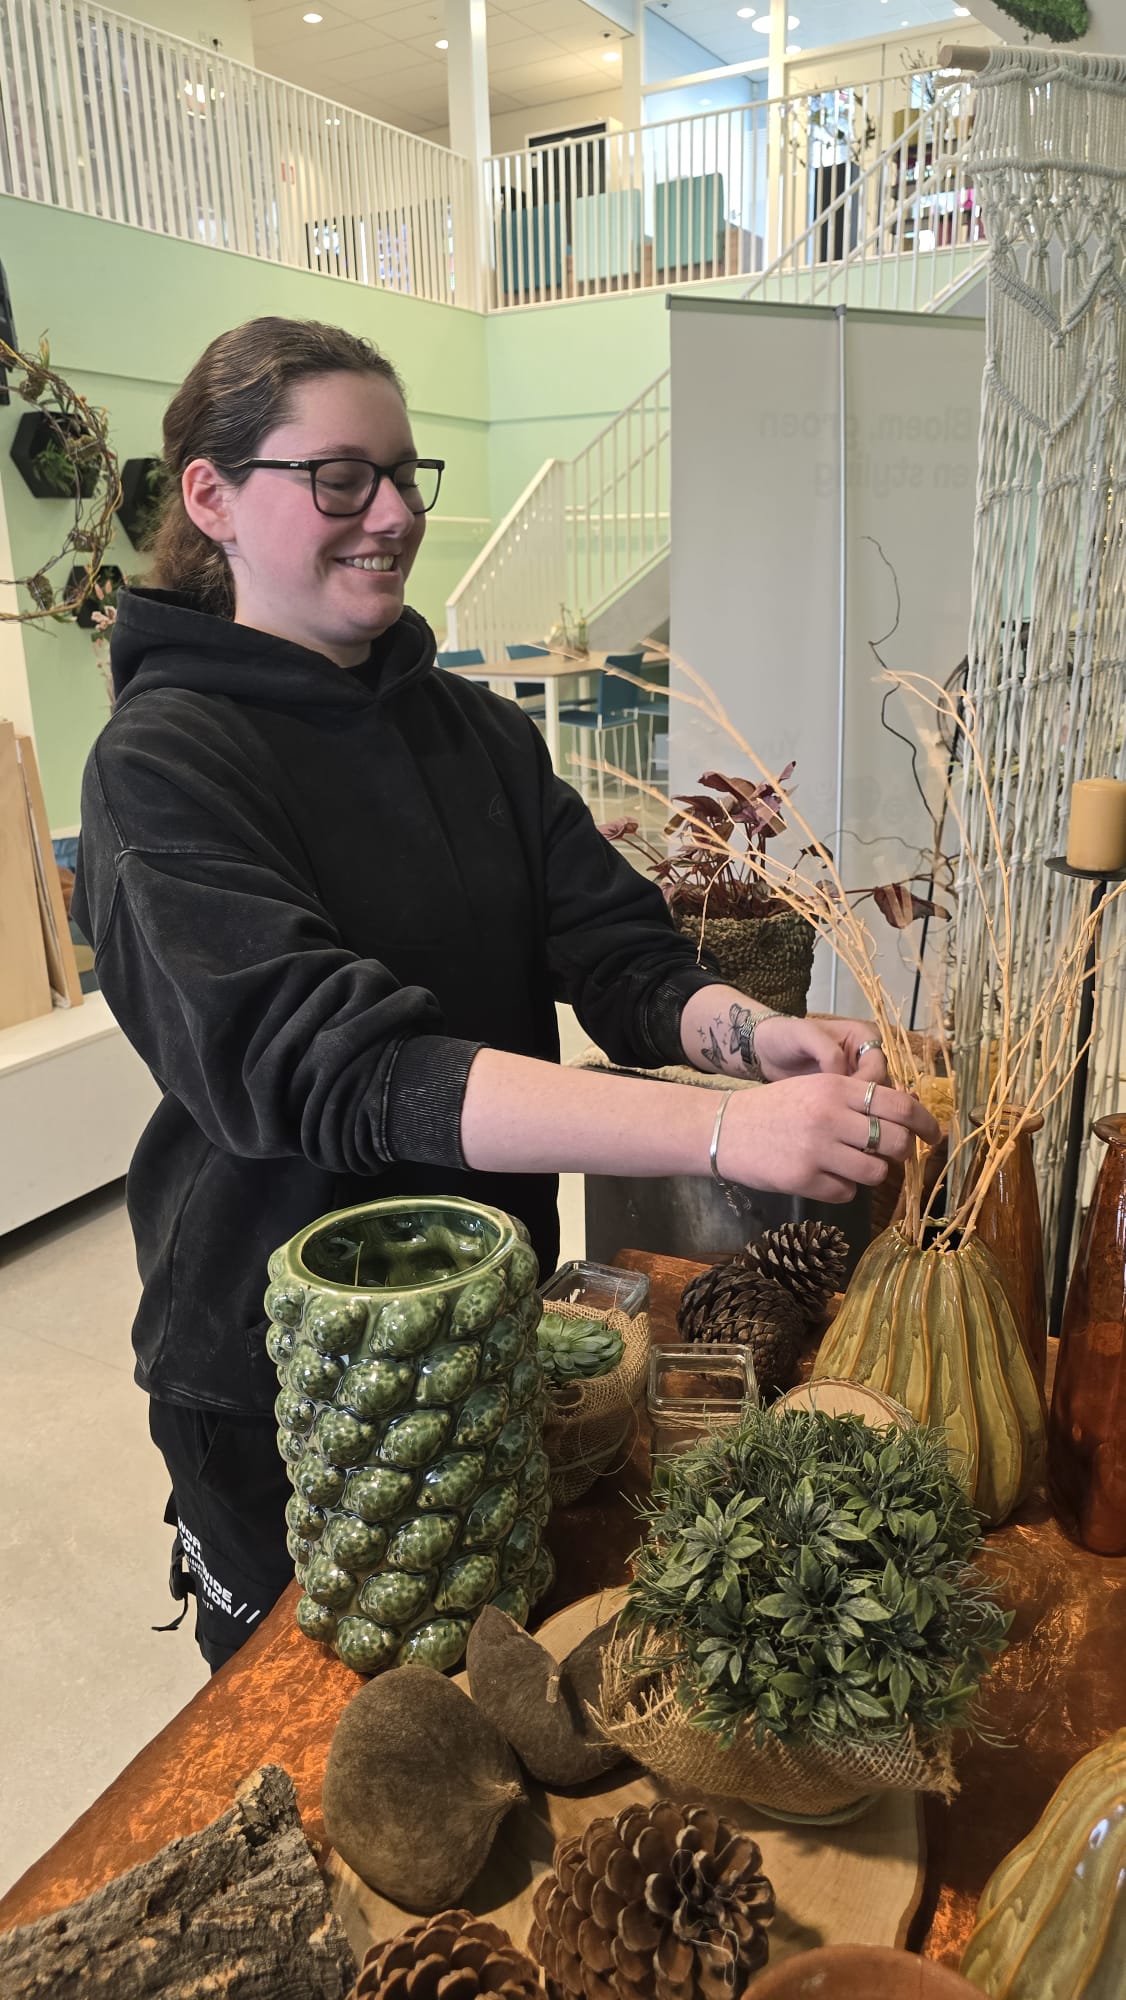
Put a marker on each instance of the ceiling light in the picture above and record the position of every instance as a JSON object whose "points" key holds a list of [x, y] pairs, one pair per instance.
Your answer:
{"points": [[762, 23], [745, 13], [332, 121], [964, 12], [793, 48], [312, 19], [441, 45], [611, 55]]}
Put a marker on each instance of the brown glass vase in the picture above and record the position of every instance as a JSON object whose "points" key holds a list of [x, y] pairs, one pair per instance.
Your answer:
{"points": [[1009, 1224], [1087, 1430]]}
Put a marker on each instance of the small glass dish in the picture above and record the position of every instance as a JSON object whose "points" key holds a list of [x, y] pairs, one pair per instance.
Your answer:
{"points": [[694, 1392], [601, 1287]]}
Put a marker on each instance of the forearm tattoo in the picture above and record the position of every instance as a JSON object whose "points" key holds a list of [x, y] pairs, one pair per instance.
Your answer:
{"points": [[722, 1040]]}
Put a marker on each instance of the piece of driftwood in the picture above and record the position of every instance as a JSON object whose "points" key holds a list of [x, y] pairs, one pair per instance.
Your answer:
{"points": [[238, 1910]]}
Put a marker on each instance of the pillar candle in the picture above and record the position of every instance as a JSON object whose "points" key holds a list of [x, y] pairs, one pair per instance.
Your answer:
{"points": [[1096, 829]]}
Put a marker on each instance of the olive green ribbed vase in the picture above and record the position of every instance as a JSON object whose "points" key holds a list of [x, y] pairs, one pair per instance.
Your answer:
{"points": [[410, 1419]]}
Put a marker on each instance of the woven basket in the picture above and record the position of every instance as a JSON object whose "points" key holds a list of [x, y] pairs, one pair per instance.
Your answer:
{"points": [[640, 1711], [768, 958], [590, 1425]]}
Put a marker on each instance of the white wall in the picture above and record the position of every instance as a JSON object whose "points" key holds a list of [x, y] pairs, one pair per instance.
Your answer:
{"points": [[757, 535], [510, 129], [226, 21]]}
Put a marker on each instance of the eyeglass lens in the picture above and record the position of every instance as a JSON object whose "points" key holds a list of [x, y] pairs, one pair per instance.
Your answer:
{"points": [[346, 485]]}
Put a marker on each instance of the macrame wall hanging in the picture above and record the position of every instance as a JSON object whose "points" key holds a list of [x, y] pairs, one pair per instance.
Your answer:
{"points": [[1047, 652]]}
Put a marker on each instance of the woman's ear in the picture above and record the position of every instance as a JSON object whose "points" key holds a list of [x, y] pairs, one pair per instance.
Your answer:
{"points": [[207, 501]]}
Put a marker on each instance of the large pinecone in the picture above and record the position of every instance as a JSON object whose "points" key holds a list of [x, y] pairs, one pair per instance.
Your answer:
{"points": [[729, 1303], [661, 1903], [456, 1955], [807, 1258]]}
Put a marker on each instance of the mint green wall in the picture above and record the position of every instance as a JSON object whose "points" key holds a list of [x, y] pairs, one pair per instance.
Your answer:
{"points": [[558, 374], [127, 314]]}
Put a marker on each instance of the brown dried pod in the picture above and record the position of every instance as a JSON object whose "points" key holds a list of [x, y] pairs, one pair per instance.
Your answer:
{"points": [[416, 1785], [659, 1903], [534, 1703], [454, 1956]]}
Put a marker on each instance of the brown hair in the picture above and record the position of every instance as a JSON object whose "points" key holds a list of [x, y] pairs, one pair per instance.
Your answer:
{"points": [[239, 391]]}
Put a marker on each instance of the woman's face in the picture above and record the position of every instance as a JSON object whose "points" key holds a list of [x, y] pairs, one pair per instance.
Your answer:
{"points": [[299, 573]]}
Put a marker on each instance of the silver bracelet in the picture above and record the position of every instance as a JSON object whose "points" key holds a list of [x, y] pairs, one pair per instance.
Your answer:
{"points": [[713, 1149], [744, 1026]]}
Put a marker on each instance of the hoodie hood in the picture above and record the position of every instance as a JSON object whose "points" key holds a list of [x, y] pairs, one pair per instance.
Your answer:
{"points": [[162, 639]]}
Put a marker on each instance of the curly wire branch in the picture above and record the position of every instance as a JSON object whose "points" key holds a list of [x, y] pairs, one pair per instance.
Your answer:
{"points": [[94, 515]]}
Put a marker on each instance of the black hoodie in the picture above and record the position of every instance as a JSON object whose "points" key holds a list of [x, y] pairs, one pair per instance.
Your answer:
{"points": [[313, 895]]}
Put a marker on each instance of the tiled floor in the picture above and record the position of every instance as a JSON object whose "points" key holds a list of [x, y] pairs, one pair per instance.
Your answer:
{"points": [[83, 1546]]}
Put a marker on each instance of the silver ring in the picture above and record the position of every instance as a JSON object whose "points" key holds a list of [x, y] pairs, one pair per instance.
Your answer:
{"points": [[868, 1096], [873, 1145], [875, 1043]]}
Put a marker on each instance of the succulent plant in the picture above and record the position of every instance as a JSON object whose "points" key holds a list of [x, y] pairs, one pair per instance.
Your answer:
{"points": [[575, 1350]]}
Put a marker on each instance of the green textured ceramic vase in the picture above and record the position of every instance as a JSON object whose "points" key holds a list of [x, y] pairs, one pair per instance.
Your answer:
{"points": [[410, 1418], [1051, 1923]]}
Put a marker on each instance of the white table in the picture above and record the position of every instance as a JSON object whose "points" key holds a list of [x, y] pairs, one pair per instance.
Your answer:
{"points": [[544, 670]]}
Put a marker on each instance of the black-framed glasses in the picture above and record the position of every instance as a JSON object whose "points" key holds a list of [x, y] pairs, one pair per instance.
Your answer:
{"points": [[346, 486]]}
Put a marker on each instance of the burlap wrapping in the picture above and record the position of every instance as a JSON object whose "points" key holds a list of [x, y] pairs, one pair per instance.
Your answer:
{"points": [[590, 1425], [771, 958], [641, 1712]]}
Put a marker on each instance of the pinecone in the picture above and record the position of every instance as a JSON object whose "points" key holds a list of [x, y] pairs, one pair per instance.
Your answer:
{"points": [[730, 1303], [661, 1903], [807, 1258], [455, 1954]]}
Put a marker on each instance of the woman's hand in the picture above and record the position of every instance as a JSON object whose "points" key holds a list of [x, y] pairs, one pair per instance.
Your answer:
{"points": [[713, 1037], [787, 1047], [811, 1135]]}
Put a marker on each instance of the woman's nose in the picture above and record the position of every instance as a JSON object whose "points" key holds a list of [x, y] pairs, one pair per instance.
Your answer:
{"points": [[388, 513]]}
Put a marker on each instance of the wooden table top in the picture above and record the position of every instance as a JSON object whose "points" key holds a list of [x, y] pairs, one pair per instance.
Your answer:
{"points": [[543, 667], [1059, 1690]]}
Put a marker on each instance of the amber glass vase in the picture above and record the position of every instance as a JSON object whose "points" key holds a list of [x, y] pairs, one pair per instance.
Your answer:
{"points": [[1087, 1432], [1008, 1223]]}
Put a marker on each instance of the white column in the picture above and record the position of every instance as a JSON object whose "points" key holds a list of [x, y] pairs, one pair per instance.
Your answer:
{"points": [[778, 221], [15, 695], [467, 91], [633, 68]]}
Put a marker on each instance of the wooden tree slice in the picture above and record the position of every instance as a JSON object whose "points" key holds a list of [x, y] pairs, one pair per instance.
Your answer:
{"points": [[239, 1909], [856, 1884]]}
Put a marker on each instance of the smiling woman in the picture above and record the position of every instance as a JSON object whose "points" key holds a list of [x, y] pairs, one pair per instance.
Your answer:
{"points": [[333, 910]]}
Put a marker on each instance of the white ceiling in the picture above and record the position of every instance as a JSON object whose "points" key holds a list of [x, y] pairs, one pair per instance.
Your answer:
{"points": [[821, 22], [379, 55]]}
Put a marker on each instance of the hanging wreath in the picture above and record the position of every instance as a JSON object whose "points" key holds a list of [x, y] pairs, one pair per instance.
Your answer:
{"points": [[83, 468]]}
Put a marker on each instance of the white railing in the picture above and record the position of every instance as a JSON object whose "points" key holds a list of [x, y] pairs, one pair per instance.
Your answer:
{"points": [[579, 533], [904, 233], [107, 116], [723, 194]]}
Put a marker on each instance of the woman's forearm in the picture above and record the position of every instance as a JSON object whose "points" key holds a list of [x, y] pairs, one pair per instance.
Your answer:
{"points": [[524, 1116], [710, 1028]]}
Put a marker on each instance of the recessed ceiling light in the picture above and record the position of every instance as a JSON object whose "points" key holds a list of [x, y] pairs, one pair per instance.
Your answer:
{"points": [[762, 24], [441, 45], [745, 13], [964, 12], [611, 55], [312, 19], [332, 121], [793, 48]]}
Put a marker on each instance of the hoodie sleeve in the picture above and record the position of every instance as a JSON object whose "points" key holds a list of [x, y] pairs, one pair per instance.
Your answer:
{"points": [[612, 948], [229, 978]]}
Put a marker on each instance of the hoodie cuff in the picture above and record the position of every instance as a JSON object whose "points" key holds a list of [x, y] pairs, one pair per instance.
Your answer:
{"points": [[423, 1098], [660, 1015]]}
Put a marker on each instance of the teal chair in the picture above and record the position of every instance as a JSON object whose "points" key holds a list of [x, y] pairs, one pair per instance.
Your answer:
{"points": [[465, 656], [608, 236], [651, 703], [613, 714], [688, 223]]}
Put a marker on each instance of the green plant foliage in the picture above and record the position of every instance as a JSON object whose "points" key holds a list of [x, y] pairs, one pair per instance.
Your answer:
{"points": [[813, 1575], [1063, 20], [577, 1349]]}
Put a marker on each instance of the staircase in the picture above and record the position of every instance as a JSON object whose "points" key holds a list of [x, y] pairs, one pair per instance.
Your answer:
{"points": [[591, 533]]}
